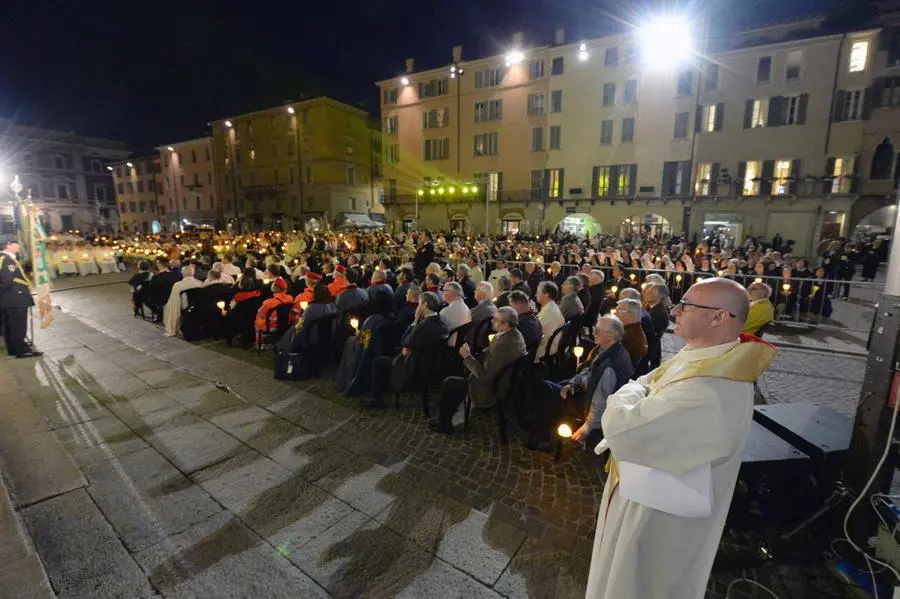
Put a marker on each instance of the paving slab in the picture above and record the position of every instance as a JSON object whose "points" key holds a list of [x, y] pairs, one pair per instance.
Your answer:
{"points": [[194, 446], [36, 467], [146, 499], [258, 428], [542, 569], [24, 579], [80, 551], [204, 398], [99, 440], [445, 581], [357, 484], [222, 558], [480, 546]]}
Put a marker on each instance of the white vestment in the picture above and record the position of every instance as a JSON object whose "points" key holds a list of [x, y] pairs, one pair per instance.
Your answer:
{"points": [[172, 311], [644, 553]]}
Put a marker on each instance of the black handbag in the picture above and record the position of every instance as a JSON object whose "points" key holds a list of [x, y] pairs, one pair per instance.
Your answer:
{"points": [[291, 367]]}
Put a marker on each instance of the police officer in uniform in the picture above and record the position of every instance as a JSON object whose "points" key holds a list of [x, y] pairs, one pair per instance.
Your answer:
{"points": [[15, 299]]}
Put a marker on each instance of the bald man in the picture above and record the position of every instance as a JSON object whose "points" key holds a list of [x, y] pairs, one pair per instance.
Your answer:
{"points": [[682, 426]]}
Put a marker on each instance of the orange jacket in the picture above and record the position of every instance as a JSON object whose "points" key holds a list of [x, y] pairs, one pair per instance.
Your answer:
{"points": [[337, 287], [268, 309]]}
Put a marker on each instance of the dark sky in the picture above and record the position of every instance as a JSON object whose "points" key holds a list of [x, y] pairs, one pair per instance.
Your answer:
{"points": [[151, 72]]}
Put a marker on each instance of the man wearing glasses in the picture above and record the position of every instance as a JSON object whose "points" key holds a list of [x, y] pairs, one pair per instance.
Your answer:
{"points": [[676, 438]]}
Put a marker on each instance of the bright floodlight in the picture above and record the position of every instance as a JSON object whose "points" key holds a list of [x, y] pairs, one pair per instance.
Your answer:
{"points": [[290, 110], [129, 165], [171, 148], [228, 124], [109, 168], [583, 54], [514, 57], [404, 80], [665, 41]]}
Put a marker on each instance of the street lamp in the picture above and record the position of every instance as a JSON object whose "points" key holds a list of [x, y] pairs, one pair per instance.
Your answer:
{"points": [[404, 80], [514, 57], [665, 41]]}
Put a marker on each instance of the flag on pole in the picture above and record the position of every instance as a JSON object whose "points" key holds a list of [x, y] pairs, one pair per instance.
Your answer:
{"points": [[38, 238]]}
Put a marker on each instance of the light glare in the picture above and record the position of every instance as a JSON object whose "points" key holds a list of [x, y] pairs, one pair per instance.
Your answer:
{"points": [[228, 124], [665, 41], [291, 110], [514, 57], [404, 80]]}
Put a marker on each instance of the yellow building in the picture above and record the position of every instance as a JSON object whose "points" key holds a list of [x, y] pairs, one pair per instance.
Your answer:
{"points": [[314, 163], [190, 187], [776, 130], [137, 185]]}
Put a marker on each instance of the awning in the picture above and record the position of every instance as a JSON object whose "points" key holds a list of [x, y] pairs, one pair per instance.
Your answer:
{"points": [[350, 220], [379, 217]]}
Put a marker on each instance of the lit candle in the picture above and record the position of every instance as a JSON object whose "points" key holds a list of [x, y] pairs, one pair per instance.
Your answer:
{"points": [[579, 351], [303, 305], [757, 280], [221, 305], [615, 289], [786, 286], [564, 431], [354, 322], [677, 278], [491, 337]]}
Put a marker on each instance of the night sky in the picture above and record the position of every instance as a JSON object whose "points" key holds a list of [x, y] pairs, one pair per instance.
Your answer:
{"points": [[152, 72]]}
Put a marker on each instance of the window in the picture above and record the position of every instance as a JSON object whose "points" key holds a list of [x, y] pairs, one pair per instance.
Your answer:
{"points": [[859, 53], [96, 166], [556, 100], [237, 157], [206, 151], [625, 179], [489, 183], [842, 171], [309, 173], [209, 178], [351, 177], [681, 125], [676, 178], [140, 186], [100, 193], [631, 55], [119, 168], [490, 77], [602, 180], [890, 93], [194, 156], [852, 108], [631, 91], [752, 176], [390, 95], [437, 149], [764, 70], [275, 175], [780, 182], [609, 94], [702, 181], [123, 208], [196, 179], [554, 182], [537, 139], [486, 144], [292, 176], [555, 137], [348, 146], [792, 66], [121, 188], [392, 155], [684, 83], [606, 132], [130, 187], [628, 130], [307, 143], [537, 183], [535, 104], [712, 76], [433, 88], [59, 162], [435, 118], [611, 57], [708, 118], [132, 206], [536, 69], [290, 147], [791, 110], [759, 112], [557, 66], [390, 124], [489, 110]]}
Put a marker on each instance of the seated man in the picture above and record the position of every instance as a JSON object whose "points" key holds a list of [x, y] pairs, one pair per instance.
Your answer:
{"points": [[267, 317], [506, 347], [173, 307], [337, 287], [634, 340], [483, 311], [456, 313], [353, 298], [140, 287], [549, 316], [762, 312], [518, 282], [160, 288], [378, 284], [606, 368], [570, 305], [421, 341], [654, 296], [528, 325], [503, 290]]}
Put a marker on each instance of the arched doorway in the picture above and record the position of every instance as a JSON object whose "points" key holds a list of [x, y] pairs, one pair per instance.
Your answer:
{"points": [[579, 224], [882, 160], [459, 223], [647, 224], [877, 223], [511, 223]]}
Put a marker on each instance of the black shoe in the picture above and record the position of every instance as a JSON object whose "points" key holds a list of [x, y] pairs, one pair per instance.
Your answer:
{"points": [[538, 445], [435, 425], [31, 354]]}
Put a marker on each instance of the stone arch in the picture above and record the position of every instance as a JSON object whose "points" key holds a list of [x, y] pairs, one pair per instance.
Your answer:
{"points": [[647, 223], [882, 160], [579, 223]]}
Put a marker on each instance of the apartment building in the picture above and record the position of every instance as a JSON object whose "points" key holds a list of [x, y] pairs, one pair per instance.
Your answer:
{"points": [[63, 172], [783, 130], [190, 187], [314, 164], [137, 185]]}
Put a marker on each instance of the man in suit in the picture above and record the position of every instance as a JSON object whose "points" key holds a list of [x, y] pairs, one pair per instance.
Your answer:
{"points": [[161, 288], [353, 298], [468, 286], [597, 291], [424, 255], [654, 301], [404, 281], [518, 283], [506, 347], [634, 339], [420, 348], [15, 299], [570, 306], [535, 276], [528, 325], [485, 310]]}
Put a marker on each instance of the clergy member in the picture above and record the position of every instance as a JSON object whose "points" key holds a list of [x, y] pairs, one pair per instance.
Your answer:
{"points": [[677, 437], [175, 303]]}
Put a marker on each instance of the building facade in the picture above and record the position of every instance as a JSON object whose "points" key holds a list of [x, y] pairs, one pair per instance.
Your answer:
{"points": [[64, 172], [190, 186], [783, 130], [137, 185], [314, 163]]}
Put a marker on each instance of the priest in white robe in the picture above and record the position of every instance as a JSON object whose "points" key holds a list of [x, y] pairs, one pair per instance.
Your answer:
{"points": [[677, 437], [173, 307]]}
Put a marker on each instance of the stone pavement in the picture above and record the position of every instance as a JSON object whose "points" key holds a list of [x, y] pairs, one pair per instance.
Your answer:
{"points": [[202, 476]]}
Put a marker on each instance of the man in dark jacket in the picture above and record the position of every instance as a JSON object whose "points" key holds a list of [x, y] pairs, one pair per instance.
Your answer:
{"points": [[529, 325], [505, 348], [15, 299], [467, 284], [421, 345], [654, 302], [597, 292], [518, 283], [404, 280], [606, 369], [424, 255], [161, 287]]}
